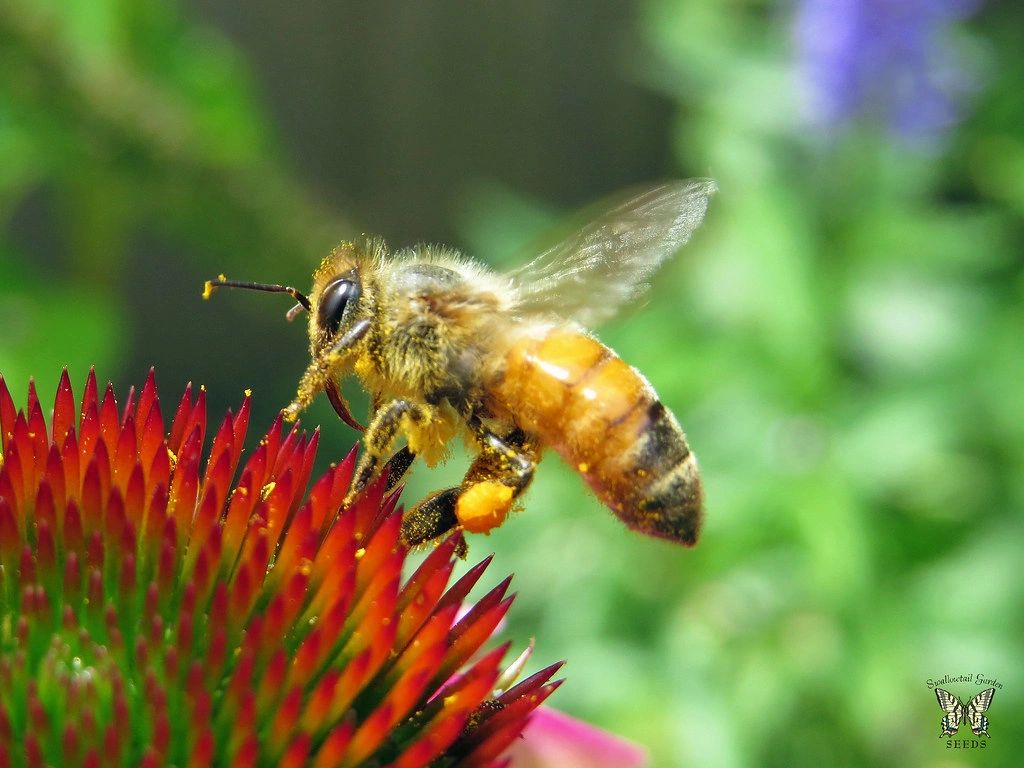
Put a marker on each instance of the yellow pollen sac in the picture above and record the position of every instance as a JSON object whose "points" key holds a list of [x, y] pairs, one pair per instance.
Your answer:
{"points": [[484, 506], [266, 490], [209, 287]]}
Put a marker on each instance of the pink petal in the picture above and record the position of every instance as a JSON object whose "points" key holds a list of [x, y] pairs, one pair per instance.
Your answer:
{"points": [[554, 740]]}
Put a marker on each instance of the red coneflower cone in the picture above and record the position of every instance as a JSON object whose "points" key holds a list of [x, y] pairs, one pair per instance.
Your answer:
{"points": [[153, 614]]}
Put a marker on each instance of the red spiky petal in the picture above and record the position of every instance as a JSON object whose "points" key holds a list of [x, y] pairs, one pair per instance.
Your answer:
{"points": [[157, 614]]}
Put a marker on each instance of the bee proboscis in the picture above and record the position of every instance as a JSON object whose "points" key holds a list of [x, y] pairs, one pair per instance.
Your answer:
{"points": [[445, 346]]}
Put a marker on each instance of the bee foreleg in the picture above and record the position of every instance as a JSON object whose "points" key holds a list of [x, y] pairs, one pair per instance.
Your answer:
{"points": [[380, 436], [501, 472]]}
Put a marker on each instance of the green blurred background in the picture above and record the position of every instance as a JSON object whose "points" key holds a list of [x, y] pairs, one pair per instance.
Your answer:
{"points": [[842, 340]]}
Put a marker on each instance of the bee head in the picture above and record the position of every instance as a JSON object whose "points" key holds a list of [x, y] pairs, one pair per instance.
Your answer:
{"points": [[338, 321]]}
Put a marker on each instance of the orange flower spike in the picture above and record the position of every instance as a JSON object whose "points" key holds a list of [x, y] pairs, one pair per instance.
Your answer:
{"points": [[334, 746], [240, 426], [297, 753], [242, 741], [50, 498], [63, 410], [356, 673], [290, 447], [314, 718], [147, 399], [205, 520], [125, 452], [17, 461], [378, 550], [46, 506], [88, 435], [109, 422], [375, 603], [458, 700], [69, 458], [319, 642], [412, 615], [368, 736], [405, 691], [284, 719], [244, 499], [273, 682], [46, 554], [286, 604], [185, 487], [197, 417], [8, 415], [202, 750], [223, 449], [333, 600], [298, 545], [151, 440], [32, 400], [433, 633], [38, 435], [10, 536], [92, 495], [342, 479], [496, 734], [465, 643], [436, 741], [155, 522], [135, 497], [337, 553], [240, 683], [272, 441], [90, 397], [275, 510], [308, 460]]}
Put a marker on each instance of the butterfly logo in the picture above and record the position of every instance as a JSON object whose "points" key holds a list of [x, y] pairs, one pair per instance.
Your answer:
{"points": [[956, 711]]}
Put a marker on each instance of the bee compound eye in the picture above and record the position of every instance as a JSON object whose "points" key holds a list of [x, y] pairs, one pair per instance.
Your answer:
{"points": [[335, 297]]}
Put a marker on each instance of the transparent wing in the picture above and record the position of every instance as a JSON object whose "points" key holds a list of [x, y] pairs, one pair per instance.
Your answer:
{"points": [[954, 711], [977, 705], [607, 263]]}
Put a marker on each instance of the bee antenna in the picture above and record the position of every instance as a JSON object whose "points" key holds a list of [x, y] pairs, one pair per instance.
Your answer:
{"points": [[223, 282]]}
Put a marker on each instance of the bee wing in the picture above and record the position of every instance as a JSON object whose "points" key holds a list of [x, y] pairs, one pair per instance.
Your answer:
{"points": [[954, 711], [977, 705], [607, 263]]}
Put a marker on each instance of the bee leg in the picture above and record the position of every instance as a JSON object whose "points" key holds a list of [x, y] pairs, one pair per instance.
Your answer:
{"points": [[431, 518], [397, 466], [501, 472], [377, 441]]}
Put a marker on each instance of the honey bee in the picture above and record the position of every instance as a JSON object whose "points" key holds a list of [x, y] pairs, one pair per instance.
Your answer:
{"points": [[445, 346]]}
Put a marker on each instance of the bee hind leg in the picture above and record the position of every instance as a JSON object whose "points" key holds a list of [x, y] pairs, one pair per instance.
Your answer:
{"points": [[501, 472]]}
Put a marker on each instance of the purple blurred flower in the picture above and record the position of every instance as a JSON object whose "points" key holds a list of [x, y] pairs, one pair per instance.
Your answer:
{"points": [[887, 60], [554, 740]]}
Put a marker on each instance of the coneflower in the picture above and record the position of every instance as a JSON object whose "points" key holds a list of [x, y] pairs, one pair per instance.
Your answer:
{"points": [[152, 613]]}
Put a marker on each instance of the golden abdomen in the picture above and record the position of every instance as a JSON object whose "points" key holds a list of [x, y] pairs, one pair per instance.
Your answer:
{"points": [[605, 419]]}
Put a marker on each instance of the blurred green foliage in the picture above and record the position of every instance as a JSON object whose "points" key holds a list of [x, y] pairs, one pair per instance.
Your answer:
{"points": [[842, 341]]}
